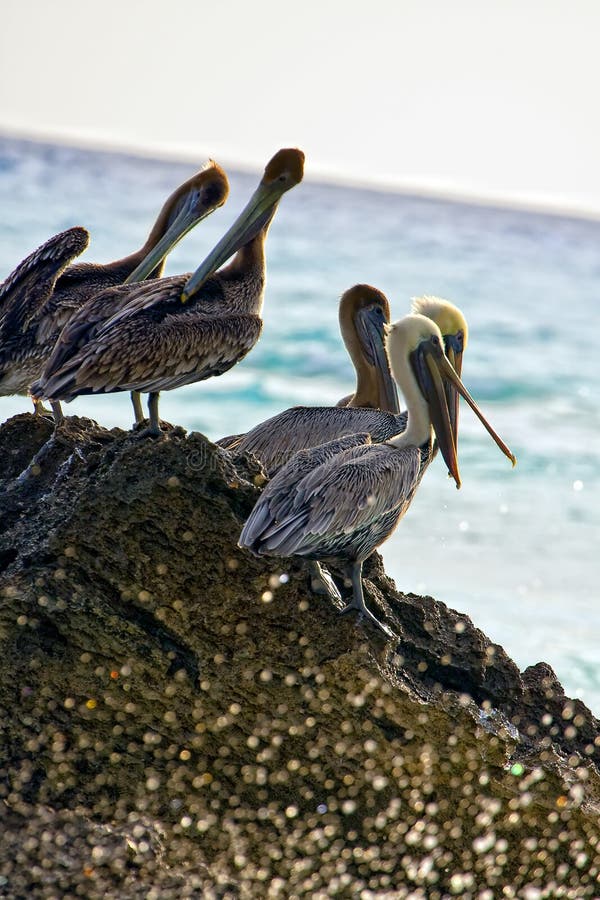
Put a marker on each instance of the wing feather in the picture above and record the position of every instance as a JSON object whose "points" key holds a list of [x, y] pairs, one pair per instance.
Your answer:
{"points": [[30, 285], [275, 441], [145, 354], [333, 499]]}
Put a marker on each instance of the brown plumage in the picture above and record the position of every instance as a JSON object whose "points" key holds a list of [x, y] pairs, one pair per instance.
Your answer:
{"points": [[275, 440], [175, 331], [42, 294], [364, 312]]}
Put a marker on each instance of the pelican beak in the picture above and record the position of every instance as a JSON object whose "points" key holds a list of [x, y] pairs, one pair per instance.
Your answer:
{"points": [[433, 372], [433, 387], [256, 214], [188, 214], [371, 329], [454, 346]]}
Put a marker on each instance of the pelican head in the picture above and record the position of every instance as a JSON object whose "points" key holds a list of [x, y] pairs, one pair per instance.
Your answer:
{"points": [[455, 333], [283, 172], [451, 323], [416, 351], [364, 314], [189, 204]]}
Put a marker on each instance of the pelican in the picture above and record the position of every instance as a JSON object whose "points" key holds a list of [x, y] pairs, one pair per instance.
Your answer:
{"points": [[340, 502], [363, 314], [206, 192], [42, 294], [174, 331], [276, 440]]}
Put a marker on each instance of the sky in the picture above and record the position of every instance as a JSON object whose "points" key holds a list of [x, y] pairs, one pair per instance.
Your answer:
{"points": [[490, 98]]}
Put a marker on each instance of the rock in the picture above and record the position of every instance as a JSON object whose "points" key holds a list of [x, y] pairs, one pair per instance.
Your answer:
{"points": [[181, 719]]}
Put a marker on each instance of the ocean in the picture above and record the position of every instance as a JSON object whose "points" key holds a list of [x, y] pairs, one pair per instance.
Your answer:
{"points": [[516, 550]]}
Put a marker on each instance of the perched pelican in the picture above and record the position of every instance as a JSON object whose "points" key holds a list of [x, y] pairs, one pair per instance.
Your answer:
{"points": [[42, 294], [178, 330], [332, 503], [203, 194], [363, 314], [276, 440]]}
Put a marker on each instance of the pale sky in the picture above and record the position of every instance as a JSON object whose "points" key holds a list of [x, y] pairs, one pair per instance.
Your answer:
{"points": [[498, 99]]}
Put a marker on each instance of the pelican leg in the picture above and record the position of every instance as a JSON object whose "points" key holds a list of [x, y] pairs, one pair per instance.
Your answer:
{"points": [[57, 412], [153, 411], [154, 429], [322, 583], [136, 399], [358, 601]]}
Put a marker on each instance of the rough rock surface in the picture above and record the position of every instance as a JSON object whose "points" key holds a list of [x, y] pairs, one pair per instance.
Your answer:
{"points": [[182, 720]]}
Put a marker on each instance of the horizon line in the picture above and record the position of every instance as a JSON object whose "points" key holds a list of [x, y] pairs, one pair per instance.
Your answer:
{"points": [[165, 152]]}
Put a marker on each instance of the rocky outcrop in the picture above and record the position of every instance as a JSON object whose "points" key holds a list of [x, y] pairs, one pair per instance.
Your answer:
{"points": [[181, 719]]}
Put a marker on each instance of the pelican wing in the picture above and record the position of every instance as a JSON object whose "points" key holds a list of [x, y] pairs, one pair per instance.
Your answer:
{"points": [[229, 442], [358, 487], [276, 440], [337, 498], [164, 296], [115, 311], [76, 286], [145, 296], [83, 325], [278, 499], [30, 285], [151, 352]]}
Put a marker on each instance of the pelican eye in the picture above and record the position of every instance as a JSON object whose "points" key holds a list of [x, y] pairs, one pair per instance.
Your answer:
{"points": [[455, 341], [372, 309], [212, 193]]}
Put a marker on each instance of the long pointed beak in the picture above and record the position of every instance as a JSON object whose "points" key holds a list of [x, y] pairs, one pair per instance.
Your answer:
{"points": [[437, 401], [256, 214], [188, 216], [434, 372], [454, 352], [370, 326], [449, 373]]}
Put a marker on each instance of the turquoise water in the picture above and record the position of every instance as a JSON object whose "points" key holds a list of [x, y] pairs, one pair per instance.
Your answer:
{"points": [[516, 550]]}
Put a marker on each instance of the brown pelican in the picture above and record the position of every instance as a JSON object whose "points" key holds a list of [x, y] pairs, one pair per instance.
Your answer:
{"points": [[42, 294], [276, 440], [335, 502], [174, 331], [363, 313]]}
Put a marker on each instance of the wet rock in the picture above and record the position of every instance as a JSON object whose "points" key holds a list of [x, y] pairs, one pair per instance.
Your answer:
{"points": [[159, 686]]}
